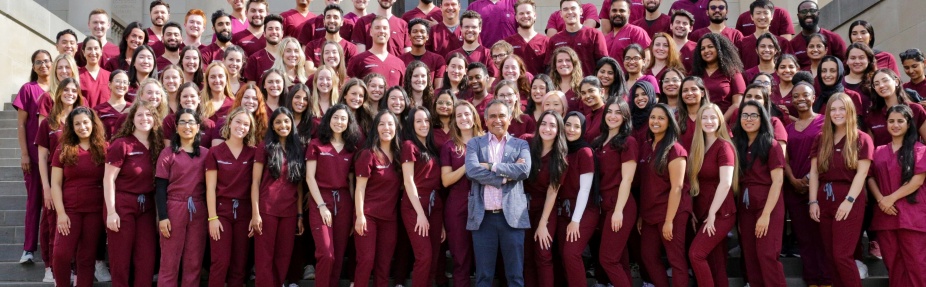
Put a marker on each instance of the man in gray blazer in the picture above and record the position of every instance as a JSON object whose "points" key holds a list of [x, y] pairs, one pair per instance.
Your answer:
{"points": [[496, 164]]}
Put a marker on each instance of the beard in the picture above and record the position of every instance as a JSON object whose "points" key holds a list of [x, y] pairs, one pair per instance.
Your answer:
{"points": [[812, 25], [653, 9], [385, 4], [522, 26], [718, 20], [224, 36], [427, 1], [335, 30], [618, 21], [171, 47]]}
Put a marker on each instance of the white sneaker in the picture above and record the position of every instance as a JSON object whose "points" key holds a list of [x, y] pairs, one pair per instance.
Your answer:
{"points": [[647, 284], [73, 278], [862, 269], [154, 278], [308, 273], [49, 278], [27, 258], [669, 272], [101, 272], [292, 285]]}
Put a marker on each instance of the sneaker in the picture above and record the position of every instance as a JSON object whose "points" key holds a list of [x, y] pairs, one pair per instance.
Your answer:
{"points": [[102, 272], [448, 275], [647, 284], [154, 278], [27, 258], [73, 278], [293, 284], [874, 249], [308, 272], [862, 269], [669, 272], [49, 278]]}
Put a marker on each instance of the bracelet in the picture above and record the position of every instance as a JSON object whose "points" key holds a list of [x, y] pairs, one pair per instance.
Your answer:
{"points": [[320, 205], [213, 218], [813, 202]]}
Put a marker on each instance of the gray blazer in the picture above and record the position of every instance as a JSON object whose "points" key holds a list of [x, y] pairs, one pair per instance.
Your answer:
{"points": [[514, 202]]}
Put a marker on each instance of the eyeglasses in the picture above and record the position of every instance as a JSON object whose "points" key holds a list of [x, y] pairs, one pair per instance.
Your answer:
{"points": [[764, 83], [633, 59], [749, 116], [718, 7], [186, 123], [41, 62], [808, 11], [498, 56]]}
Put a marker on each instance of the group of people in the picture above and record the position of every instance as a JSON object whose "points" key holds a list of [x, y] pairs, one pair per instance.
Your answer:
{"points": [[349, 143]]}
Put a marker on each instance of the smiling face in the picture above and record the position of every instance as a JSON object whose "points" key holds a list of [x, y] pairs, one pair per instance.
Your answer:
{"points": [[419, 35], [187, 127], [282, 125], [591, 96], [240, 125], [339, 121], [376, 87], [750, 119], [837, 112], [570, 12], [63, 70], [444, 105], [897, 124], [471, 29], [190, 62], [658, 122], [708, 51], [386, 128], [189, 98], [120, 84], [135, 38], [548, 128], [159, 15], [300, 102], [144, 119], [619, 14], [331, 56], [564, 64], [422, 124], [256, 13], [249, 100], [526, 16], [464, 117], [913, 68], [808, 14], [717, 11], [671, 83], [553, 102], [691, 93], [633, 62], [606, 75], [538, 91], [477, 79], [680, 27], [171, 80], [69, 94], [217, 79], [291, 53], [710, 121], [802, 98], [323, 81], [573, 128], [354, 97], [786, 70], [396, 102], [510, 69], [99, 25], [661, 48], [857, 61], [82, 126], [419, 79], [755, 94], [234, 62], [456, 69], [766, 50], [152, 93], [273, 32], [497, 119], [144, 62], [885, 85], [508, 95], [379, 31], [333, 21], [67, 44], [93, 52], [640, 98], [762, 17], [194, 26], [613, 117], [829, 72]]}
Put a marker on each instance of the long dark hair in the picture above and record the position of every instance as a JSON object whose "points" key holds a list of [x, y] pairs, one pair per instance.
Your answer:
{"points": [[306, 122], [175, 144], [558, 153], [766, 100], [906, 155], [291, 151], [463, 84], [683, 108], [619, 87], [363, 114], [727, 56], [579, 144], [774, 39], [384, 103], [373, 140], [426, 150], [661, 160], [69, 142], [133, 73], [760, 146], [198, 77], [351, 134], [877, 102], [531, 106], [869, 71], [124, 44], [427, 96], [662, 97], [33, 76], [867, 26], [618, 141]]}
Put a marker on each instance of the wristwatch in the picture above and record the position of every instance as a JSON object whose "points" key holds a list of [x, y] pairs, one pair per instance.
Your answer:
{"points": [[850, 199]]}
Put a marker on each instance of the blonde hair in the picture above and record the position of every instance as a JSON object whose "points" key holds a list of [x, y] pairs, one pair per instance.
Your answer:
{"points": [[827, 138], [562, 97], [698, 149], [456, 135], [53, 81], [205, 95], [335, 86], [161, 108], [250, 139], [279, 63]]}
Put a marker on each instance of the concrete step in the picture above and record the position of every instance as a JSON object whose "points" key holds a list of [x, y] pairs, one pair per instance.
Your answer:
{"points": [[8, 123], [9, 106], [10, 152], [10, 173], [8, 114], [13, 202], [12, 187], [12, 217], [12, 142], [12, 252], [8, 133], [9, 162], [11, 272], [11, 234], [793, 267]]}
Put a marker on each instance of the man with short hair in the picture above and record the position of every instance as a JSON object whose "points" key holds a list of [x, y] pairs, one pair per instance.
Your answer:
{"points": [[398, 41], [555, 22], [159, 12], [477, 92], [316, 28], [636, 12], [654, 21], [496, 165], [172, 43], [717, 12], [333, 25], [99, 25], [696, 8], [500, 52], [418, 32], [425, 10], [780, 25], [261, 60], [588, 43], [446, 35], [808, 16], [66, 42], [239, 15], [475, 52], [251, 39], [222, 32], [682, 21], [194, 24], [527, 43], [622, 34], [378, 59], [498, 16], [762, 19], [294, 18]]}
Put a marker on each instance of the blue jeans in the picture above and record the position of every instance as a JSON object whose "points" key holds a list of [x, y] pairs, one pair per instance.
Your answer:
{"points": [[495, 233]]}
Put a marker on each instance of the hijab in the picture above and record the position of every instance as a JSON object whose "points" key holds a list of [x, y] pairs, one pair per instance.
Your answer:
{"points": [[828, 90], [578, 144], [640, 116]]}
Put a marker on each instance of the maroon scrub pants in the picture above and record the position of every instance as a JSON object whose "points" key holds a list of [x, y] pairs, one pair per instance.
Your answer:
{"points": [[374, 252], [426, 249], [652, 244], [272, 249], [81, 242], [187, 243], [331, 242], [134, 246]]}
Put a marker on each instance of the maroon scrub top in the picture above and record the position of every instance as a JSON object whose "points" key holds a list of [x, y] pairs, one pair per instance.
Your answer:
{"points": [[756, 181], [747, 47], [256, 64], [838, 172], [660, 25], [451, 157], [112, 119], [482, 55], [580, 162], [834, 44], [187, 175], [637, 11], [249, 42], [886, 170], [314, 53], [95, 90], [527, 125], [436, 63], [48, 138], [366, 63], [314, 29], [332, 166], [876, 121], [278, 196], [589, 11], [721, 88], [654, 198], [233, 175], [292, 22], [735, 37], [800, 144], [442, 40], [384, 184], [610, 169], [427, 172], [398, 39], [206, 130], [498, 19], [82, 182], [136, 173], [434, 15], [533, 52], [721, 153], [781, 23]]}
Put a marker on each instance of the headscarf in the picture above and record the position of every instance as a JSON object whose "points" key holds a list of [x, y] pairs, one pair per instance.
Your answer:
{"points": [[640, 116], [578, 144], [828, 90]]}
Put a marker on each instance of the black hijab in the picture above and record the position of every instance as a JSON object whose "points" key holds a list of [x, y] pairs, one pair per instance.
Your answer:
{"points": [[640, 116], [828, 90], [578, 144]]}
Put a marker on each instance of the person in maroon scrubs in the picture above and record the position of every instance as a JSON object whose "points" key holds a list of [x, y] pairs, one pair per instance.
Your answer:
{"points": [[577, 200], [418, 84], [188, 98], [717, 63], [540, 87], [354, 95], [465, 125], [233, 57], [889, 92], [217, 96], [670, 87], [133, 37], [377, 190], [840, 158], [616, 146], [759, 93], [899, 218], [94, 85], [760, 207], [395, 101], [128, 188], [276, 193], [298, 101], [422, 210], [143, 67], [611, 76], [830, 80], [785, 68], [860, 31], [594, 99], [112, 110], [180, 190], [442, 120], [251, 99], [693, 96], [77, 189], [566, 72], [767, 51], [549, 143], [229, 171], [913, 63], [712, 174], [514, 69], [521, 123], [664, 209], [642, 100], [328, 167], [860, 60], [801, 136], [665, 55]]}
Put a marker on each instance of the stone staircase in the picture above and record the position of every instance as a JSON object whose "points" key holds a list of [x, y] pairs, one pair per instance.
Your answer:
{"points": [[12, 211]]}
